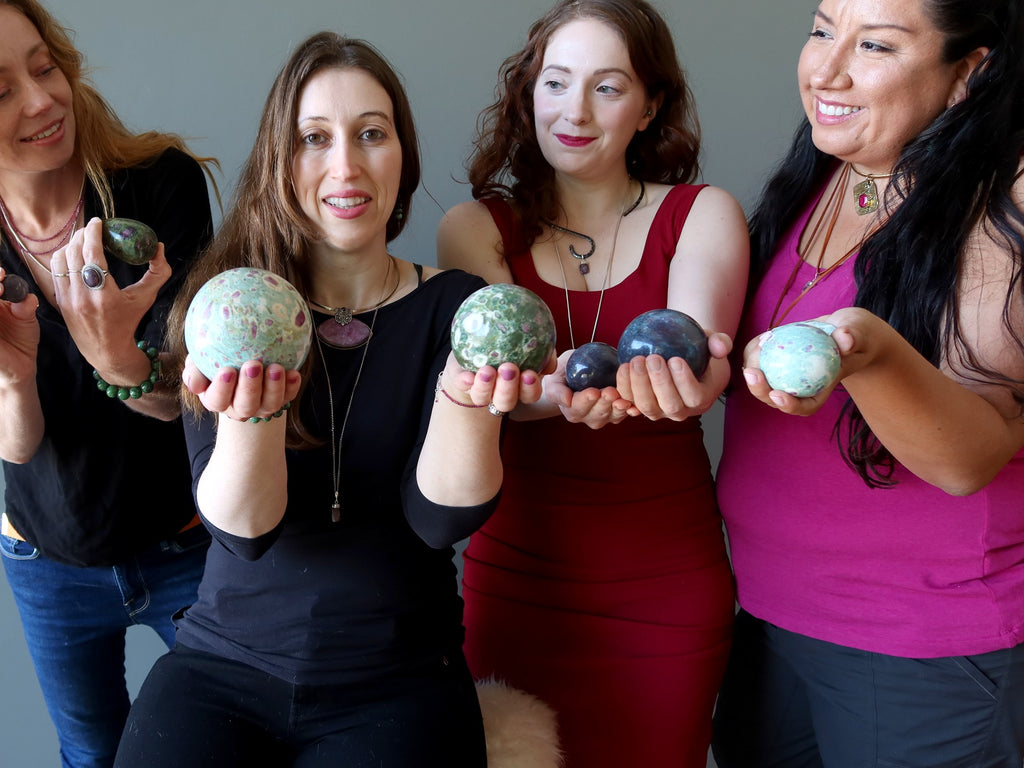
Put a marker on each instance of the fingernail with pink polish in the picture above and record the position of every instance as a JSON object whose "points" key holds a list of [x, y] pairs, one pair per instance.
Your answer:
{"points": [[507, 374]]}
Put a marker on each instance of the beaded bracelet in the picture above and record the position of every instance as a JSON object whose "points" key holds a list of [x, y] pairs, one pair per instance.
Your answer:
{"points": [[439, 390], [258, 419], [123, 393]]}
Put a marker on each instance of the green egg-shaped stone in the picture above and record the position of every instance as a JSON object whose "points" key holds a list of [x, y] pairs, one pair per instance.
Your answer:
{"points": [[129, 240], [503, 323]]}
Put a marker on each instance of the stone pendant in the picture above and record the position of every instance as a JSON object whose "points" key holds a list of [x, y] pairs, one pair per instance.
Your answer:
{"points": [[866, 195], [343, 335]]}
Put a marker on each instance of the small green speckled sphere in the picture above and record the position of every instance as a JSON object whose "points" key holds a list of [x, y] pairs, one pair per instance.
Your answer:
{"points": [[503, 323], [800, 358], [129, 240], [247, 314]]}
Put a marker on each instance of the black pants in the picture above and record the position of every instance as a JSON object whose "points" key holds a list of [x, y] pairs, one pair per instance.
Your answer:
{"points": [[789, 701], [196, 709]]}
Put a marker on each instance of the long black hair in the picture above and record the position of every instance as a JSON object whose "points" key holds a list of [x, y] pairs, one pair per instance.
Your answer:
{"points": [[955, 174]]}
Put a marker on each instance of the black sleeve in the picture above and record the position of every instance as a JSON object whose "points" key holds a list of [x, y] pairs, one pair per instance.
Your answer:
{"points": [[438, 525], [171, 197]]}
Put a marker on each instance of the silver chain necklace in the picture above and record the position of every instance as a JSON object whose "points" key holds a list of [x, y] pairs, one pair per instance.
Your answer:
{"points": [[337, 441], [68, 233], [604, 283]]}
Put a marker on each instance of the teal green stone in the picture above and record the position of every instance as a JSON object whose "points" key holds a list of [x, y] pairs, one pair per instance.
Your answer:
{"points": [[129, 240], [247, 314], [503, 323], [800, 358]]}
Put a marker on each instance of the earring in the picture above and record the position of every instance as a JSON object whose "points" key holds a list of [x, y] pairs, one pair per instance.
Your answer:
{"points": [[648, 113], [399, 213]]}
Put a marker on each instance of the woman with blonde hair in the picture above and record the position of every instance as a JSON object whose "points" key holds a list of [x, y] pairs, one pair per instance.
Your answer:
{"points": [[98, 530]]}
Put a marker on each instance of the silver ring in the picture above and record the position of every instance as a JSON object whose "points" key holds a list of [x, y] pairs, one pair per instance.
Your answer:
{"points": [[94, 276], [491, 408]]}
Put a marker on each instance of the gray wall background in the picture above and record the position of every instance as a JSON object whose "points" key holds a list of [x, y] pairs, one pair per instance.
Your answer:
{"points": [[202, 69]]}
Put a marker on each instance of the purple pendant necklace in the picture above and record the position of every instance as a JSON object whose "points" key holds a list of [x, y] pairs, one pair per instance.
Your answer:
{"points": [[344, 330]]}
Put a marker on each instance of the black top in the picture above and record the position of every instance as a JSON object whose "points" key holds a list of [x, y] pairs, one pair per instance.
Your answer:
{"points": [[320, 602], [106, 481]]}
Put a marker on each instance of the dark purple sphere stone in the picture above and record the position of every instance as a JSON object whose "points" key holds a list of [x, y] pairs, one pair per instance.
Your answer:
{"points": [[669, 333], [592, 365]]}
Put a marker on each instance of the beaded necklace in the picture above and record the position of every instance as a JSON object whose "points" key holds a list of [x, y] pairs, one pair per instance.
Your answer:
{"points": [[65, 233]]}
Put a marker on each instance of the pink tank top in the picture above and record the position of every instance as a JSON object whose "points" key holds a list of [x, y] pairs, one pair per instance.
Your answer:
{"points": [[908, 571]]}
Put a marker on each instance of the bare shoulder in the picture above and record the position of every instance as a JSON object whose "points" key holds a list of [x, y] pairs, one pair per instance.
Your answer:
{"points": [[468, 238], [715, 202], [716, 221], [991, 310]]}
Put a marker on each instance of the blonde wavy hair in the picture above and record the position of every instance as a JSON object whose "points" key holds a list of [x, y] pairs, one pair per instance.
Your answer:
{"points": [[102, 142]]}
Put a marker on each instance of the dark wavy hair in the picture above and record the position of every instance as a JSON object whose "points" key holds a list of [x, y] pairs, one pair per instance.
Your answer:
{"points": [[958, 172], [266, 227], [507, 159]]}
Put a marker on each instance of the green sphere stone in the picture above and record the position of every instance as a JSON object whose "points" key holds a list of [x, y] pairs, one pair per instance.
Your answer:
{"points": [[503, 323]]}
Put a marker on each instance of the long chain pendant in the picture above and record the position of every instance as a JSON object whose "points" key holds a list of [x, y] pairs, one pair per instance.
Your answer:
{"points": [[336, 509]]}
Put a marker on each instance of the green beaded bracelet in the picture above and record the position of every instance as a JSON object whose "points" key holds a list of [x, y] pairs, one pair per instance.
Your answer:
{"points": [[123, 393], [258, 419]]}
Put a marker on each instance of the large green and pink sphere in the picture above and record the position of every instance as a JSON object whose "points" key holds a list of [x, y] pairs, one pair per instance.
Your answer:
{"points": [[247, 314], [503, 323], [800, 358]]}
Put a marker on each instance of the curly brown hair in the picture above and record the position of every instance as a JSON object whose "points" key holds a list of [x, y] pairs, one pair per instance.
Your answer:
{"points": [[507, 159]]}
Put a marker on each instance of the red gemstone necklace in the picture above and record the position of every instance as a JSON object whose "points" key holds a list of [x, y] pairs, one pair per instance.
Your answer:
{"points": [[866, 193]]}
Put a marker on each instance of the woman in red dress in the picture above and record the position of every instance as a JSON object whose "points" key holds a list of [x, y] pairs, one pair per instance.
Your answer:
{"points": [[601, 584]]}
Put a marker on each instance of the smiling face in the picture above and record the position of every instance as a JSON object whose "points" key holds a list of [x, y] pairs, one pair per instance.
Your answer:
{"points": [[872, 78], [347, 164], [37, 124], [588, 101]]}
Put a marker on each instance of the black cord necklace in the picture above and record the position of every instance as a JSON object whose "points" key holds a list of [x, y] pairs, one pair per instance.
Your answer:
{"points": [[582, 257]]}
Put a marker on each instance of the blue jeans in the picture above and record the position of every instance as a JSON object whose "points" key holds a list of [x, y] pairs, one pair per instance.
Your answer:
{"points": [[74, 621], [789, 701]]}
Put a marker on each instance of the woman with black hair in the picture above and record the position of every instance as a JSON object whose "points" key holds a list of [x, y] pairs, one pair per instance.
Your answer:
{"points": [[877, 542]]}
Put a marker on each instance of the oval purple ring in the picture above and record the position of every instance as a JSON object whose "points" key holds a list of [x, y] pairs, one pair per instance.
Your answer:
{"points": [[94, 276]]}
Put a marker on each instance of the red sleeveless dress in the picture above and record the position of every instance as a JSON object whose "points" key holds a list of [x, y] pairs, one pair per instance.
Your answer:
{"points": [[601, 584]]}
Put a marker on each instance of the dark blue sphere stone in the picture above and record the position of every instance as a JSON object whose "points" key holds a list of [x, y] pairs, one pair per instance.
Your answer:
{"points": [[669, 333], [593, 364]]}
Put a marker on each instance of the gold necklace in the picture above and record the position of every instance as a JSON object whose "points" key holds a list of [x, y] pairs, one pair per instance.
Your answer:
{"points": [[344, 331], [865, 194]]}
